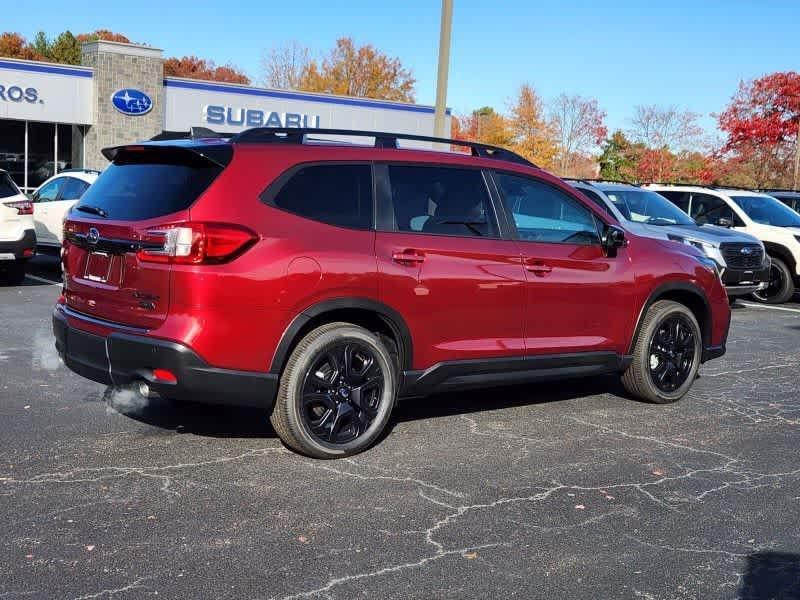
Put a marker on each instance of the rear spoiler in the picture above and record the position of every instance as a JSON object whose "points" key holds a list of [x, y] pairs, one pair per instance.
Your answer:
{"points": [[216, 152]]}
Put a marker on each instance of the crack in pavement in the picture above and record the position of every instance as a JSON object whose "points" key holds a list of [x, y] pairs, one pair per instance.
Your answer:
{"points": [[111, 592], [153, 472]]}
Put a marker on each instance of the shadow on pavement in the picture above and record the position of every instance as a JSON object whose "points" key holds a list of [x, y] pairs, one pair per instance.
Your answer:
{"points": [[188, 417], [224, 421], [771, 576], [458, 403]]}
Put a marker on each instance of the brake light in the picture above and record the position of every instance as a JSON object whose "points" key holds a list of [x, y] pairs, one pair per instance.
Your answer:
{"points": [[24, 207], [196, 243]]}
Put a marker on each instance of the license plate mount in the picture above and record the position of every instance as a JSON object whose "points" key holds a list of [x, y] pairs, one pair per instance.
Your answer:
{"points": [[98, 267]]}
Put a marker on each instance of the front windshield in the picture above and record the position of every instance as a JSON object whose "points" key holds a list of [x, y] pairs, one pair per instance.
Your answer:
{"points": [[768, 211], [644, 206]]}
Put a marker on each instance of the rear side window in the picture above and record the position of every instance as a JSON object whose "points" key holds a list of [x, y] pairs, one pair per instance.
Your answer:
{"points": [[147, 184], [543, 213], [7, 186], [335, 194], [73, 188], [441, 200]]}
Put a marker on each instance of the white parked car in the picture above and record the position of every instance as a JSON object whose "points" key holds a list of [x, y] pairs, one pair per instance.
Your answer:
{"points": [[53, 200], [17, 237], [760, 215]]}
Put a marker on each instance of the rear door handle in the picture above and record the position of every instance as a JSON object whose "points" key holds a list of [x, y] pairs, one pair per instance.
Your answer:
{"points": [[538, 268], [408, 257]]}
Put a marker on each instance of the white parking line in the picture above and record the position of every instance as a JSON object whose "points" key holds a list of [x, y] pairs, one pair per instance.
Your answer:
{"points": [[751, 305], [42, 279]]}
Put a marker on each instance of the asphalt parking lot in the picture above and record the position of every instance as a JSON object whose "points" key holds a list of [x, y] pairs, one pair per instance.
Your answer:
{"points": [[565, 490]]}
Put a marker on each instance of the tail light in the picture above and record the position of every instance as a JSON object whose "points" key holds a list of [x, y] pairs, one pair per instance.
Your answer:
{"points": [[195, 243], [24, 207]]}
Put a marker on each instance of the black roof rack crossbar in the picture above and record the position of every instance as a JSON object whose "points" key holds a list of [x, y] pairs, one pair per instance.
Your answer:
{"points": [[299, 135]]}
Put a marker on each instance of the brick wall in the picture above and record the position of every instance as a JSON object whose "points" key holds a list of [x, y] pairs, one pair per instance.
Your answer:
{"points": [[118, 66]]}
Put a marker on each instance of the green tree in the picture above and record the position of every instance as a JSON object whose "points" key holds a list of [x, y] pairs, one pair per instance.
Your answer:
{"points": [[42, 45], [617, 160], [66, 49]]}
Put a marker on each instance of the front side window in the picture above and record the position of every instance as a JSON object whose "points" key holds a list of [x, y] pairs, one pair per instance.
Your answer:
{"points": [[708, 209], [335, 194], [767, 211], [49, 192], [543, 213], [441, 200]]}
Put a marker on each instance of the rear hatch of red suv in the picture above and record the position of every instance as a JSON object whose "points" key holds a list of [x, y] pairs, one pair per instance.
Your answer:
{"points": [[132, 225]]}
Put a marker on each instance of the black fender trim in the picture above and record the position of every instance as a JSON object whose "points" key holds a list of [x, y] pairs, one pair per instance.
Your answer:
{"points": [[664, 289], [387, 314]]}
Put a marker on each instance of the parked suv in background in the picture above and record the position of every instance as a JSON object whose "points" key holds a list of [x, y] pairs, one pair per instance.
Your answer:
{"points": [[741, 259], [17, 237], [321, 281], [53, 200], [760, 215]]}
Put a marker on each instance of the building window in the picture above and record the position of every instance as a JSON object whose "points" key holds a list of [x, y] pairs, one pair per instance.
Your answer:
{"points": [[12, 150], [41, 152]]}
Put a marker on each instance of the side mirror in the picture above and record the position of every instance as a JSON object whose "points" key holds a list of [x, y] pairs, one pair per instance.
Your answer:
{"points": [[725, 222], [613, 239]]}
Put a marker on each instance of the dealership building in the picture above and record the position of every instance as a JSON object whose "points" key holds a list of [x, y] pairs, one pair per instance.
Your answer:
{"points": [[54, 117]]}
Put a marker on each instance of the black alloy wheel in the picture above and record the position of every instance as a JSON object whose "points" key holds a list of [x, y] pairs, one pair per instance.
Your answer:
{"points": [[780, 288], [342, 392], [672, 353]]}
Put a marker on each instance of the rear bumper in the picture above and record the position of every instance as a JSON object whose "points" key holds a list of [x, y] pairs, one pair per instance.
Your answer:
{"points": [[18, 247], [123, 358]]}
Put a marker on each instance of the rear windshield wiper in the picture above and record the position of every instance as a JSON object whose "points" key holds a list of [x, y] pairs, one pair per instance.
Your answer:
{"points": [[92, 209]]}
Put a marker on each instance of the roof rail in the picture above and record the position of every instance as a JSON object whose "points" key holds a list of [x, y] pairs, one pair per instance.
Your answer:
{"points": [[300, 135], [193, 134], [601, 180]]}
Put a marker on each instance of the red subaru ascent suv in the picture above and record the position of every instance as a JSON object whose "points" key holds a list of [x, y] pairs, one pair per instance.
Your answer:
{"points": [[321, 280]]}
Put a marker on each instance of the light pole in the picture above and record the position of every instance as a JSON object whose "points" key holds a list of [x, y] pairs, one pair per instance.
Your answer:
{"points": [[444, 65], [796, 159]]}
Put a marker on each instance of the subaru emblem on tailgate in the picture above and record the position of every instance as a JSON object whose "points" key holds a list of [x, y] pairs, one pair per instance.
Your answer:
{"points": [[746, 250], [93, 236]]}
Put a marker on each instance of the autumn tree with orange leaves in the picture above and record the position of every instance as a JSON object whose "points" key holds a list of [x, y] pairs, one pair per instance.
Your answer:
{"points": [[65, 48], [199, 68], [347, 70]]}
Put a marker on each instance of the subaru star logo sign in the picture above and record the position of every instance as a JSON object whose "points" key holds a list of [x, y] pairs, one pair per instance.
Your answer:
{"points": [[131, 102], [747, 250]]}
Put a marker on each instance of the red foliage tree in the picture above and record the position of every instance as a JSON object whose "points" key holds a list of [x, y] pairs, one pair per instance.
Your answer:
{"points": [[200, 68], [102, 34], [13, 45], [762, 123]]}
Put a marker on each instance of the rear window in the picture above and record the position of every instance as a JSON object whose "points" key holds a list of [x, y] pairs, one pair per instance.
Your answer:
{"points": [[147, 184], [336, 194], [7, 186]]}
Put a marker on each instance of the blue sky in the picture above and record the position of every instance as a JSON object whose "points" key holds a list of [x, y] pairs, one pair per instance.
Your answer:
{"points": [[623, 52]]}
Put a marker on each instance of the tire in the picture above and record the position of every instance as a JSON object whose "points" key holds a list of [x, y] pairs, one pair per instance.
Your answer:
{"points": [[640, 380], [781, 285], [15, 273], [317, 393]]}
